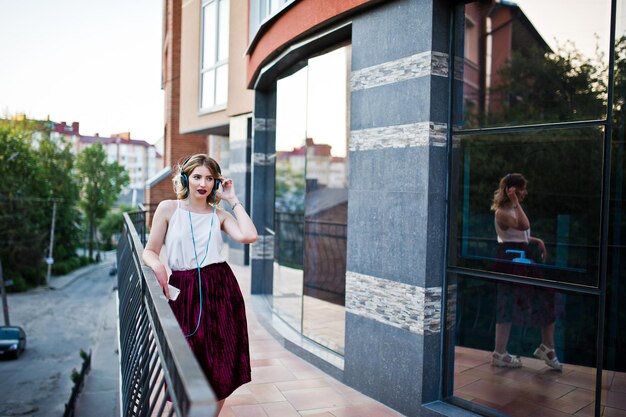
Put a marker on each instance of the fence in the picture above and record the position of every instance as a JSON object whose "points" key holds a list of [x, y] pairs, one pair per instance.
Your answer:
{"points": [[138, 218], [159, 374]]}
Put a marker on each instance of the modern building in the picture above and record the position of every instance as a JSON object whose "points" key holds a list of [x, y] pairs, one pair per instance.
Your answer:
{"points": [[367, 139]]}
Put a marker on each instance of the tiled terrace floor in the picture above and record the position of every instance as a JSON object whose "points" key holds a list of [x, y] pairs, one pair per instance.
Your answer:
{"points": [[534, 390], [283, 385]]}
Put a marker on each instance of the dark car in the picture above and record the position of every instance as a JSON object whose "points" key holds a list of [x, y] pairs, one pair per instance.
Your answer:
{"points": [[12, 341]]}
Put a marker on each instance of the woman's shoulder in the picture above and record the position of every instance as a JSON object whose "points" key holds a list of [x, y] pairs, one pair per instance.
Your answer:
{"points": [[167, 206]]}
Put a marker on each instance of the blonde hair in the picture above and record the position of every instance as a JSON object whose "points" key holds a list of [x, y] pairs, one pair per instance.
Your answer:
{"points": [[500, 196], [187, 167]]}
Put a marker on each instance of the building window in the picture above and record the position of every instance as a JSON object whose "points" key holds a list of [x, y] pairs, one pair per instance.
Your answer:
{"points": [[269, 7], [261, 10], [214, 60], [311, 202]]}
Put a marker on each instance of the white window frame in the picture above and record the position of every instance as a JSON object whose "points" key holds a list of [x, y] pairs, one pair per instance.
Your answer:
{"points": [[210, 70]]}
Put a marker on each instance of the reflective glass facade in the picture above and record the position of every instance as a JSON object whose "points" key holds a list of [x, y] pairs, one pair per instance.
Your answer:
{"points": [[311, 198], [536, 230]]}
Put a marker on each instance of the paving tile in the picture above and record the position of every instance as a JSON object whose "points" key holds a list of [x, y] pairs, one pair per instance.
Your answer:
{"points": [[570, 403], [301, 384], [266, 393], [372, 410], [471, 358], [312, 398], [265, 362], [503, 379], [619, 383], [518, 408], [547, 412], [490, 392], [241, 399], [614, 412], [262, 374], [248, 411], [464, 379], [280, 409], [614, 399], [579, 379], [588, 411]]}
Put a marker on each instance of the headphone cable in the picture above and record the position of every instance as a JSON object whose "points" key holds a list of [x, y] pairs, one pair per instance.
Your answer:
{"points": [[193, 240]]}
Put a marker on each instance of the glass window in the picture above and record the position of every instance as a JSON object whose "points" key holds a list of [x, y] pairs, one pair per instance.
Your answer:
{"points": [[214, 71], [311, 203], [546, 343], [269, 7], [291, 93], [533, 61], [528, 204], [326, 208]]}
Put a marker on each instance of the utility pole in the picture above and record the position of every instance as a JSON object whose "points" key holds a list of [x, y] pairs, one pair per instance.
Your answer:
{"points": [[50, 259], [5, 305]]}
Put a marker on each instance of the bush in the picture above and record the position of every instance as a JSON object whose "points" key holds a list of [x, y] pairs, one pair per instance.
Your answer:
{"points": [[19, 284], [68, 265]]}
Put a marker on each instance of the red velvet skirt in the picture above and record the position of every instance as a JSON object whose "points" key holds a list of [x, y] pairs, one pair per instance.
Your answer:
{"points": [[221, 342]]}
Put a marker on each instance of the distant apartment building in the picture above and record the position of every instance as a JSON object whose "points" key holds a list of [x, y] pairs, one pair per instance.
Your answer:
{"points": [[140, 159]]}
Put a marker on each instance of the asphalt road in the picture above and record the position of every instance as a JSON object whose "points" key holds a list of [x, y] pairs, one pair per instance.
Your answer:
{"points": [[58, 324]]}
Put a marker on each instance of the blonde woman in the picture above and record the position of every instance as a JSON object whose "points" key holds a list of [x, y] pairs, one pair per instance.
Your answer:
{"points": [[522, 304], [210, 308]]}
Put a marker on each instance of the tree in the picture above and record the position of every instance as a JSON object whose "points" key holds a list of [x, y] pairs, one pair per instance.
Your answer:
{"points": [[113, 224], [57, 163], [539, 86], [100, 185], [23, 199]]}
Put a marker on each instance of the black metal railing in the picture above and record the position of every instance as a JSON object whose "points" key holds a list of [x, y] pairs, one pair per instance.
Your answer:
{"points": [[138, 218], [159, 374]]}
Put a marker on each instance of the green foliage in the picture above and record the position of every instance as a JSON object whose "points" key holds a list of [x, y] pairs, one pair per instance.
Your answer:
{"points": [[58, 169], [100, 185], [24, 215], [112, 224], [290, 188], [539, 86], [68, 265], [75, 376]]}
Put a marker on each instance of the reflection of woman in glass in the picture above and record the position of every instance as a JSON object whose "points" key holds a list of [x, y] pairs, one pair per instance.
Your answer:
{"points": [[521, 304]]}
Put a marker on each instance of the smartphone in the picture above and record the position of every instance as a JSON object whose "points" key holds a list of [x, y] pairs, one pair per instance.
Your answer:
{"points": [[173, 293]]}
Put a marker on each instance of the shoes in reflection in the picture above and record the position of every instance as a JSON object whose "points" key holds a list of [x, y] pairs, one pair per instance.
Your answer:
{"points": [[549, 357], [505, 360]]}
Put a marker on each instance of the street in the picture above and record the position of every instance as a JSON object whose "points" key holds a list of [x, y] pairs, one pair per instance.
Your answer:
{"points": [[58, 324]]}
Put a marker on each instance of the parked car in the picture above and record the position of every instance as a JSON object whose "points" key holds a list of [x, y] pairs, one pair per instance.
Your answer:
{"points": [[12, 341]]}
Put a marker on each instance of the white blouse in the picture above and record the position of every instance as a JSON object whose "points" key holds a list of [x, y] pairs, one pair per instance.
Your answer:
{"points": [[511, 234], [179, 243]]}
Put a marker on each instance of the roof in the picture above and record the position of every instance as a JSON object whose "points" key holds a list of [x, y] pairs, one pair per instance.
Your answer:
{"points": [[160, 176], [325, 198], [108, 141]]}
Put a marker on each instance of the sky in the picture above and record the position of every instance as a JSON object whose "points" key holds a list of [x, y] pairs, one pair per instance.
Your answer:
{"points": [[93, 62], [99, 62], [579, 21]]}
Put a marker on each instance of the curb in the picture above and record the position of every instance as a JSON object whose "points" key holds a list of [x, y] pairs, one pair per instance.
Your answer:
{"points": [[60, 282]]}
